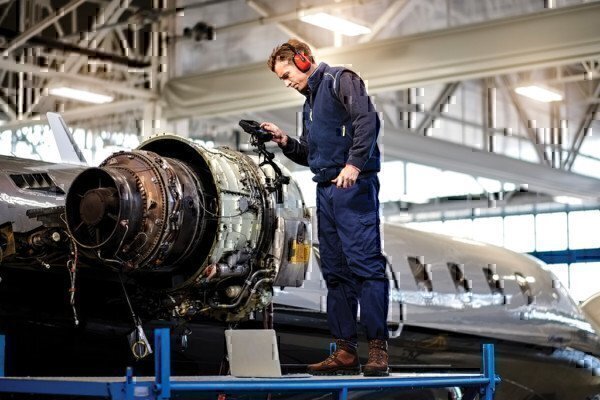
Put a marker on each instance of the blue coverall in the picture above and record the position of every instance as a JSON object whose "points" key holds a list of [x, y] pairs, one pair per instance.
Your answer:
{"points": [[341, 127]]}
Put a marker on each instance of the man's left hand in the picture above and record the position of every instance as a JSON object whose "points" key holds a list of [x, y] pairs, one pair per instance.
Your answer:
{"points": [[347, 177]]}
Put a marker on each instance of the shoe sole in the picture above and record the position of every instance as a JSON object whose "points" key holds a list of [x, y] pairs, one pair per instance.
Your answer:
{"points": [[336, 372], [376, 373]]}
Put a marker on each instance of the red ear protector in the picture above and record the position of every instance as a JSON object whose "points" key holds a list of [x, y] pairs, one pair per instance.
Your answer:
{"points": [[301, 61]]}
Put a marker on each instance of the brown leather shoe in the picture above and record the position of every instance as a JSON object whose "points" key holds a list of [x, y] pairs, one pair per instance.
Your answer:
{"points": [[343, 361], [378, 359]]}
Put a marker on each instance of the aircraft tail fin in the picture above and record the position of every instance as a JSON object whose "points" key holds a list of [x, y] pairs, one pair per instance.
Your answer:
{"points": [[69, 151]]}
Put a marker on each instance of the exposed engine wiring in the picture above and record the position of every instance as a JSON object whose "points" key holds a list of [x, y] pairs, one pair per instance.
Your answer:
{"points": [[72, 268], [72, 264]]}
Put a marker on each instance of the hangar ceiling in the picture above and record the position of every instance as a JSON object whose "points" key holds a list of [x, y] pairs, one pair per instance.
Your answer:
{"points": [[440, 71]]}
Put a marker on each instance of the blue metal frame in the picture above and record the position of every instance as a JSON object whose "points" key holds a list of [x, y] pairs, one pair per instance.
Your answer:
{"points": [[162, 387], [2, 358], [568, 256]]}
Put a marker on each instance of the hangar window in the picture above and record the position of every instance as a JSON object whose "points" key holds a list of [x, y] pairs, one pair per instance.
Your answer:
{"points": [[519, 233], [38, 182], [551, 233], [583, 228], [584, 280]]}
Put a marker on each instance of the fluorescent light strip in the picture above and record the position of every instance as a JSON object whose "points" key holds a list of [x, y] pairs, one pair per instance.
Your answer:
{"points": [[539, 93], [81, 95], [335, 24], [575, 201]]}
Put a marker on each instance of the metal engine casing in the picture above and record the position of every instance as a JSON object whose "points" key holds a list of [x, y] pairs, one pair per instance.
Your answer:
{"points": [[200, 226]]}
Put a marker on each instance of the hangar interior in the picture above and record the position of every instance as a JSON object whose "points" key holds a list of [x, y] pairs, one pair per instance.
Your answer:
{"points": [[464, 153]]}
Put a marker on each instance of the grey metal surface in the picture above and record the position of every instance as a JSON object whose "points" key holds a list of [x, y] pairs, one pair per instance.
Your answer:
{"points": [[549, 38], [459, 158], [552, 318]]}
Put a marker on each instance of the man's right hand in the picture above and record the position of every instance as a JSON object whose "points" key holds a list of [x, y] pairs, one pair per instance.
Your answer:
{"points": [[279, 136]]}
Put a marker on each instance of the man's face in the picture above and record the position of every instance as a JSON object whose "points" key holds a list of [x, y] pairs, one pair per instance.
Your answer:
{"points": [[291, 76]]}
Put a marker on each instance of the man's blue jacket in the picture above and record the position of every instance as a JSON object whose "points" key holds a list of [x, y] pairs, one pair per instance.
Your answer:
{"points": [[340, 125]]}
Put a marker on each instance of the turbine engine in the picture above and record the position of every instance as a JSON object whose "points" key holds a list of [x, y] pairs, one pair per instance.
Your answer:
{"points": [[210, 230]]}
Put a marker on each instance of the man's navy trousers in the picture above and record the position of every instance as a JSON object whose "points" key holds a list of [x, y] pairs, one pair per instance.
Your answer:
{"points": [[351, 260]]}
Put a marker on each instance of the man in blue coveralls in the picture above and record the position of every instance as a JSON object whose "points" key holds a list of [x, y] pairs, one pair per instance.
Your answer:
{"points": [[339, 144]]}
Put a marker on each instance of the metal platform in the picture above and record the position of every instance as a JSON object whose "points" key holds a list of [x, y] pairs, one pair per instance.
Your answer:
{"points": [[163, 385]]}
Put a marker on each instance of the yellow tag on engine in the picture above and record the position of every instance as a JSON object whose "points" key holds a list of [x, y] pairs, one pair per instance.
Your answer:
{"points": [[299, 252]]}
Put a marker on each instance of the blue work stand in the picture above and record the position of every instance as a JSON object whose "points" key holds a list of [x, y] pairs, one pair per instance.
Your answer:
{"points": [[163, 385]]}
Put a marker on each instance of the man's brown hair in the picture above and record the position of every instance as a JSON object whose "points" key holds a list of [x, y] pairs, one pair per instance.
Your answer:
{"points": [[285, 52]]}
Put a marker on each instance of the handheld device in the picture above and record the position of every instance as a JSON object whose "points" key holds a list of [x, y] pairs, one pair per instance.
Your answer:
{"points": [[253, 128], [259, 137]]}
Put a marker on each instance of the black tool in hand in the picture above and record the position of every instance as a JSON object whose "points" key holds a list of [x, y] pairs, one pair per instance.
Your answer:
{"points": [[259, 135]]}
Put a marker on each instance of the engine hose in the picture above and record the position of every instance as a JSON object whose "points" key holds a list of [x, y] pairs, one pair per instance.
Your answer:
{"points": [[260, 282], [242, 293]]}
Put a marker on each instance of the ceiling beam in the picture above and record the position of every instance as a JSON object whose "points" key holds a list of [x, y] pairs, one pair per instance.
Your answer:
{"points": [[442, 99], [113, 86], [444, 205], [83, 113], [260, 9], [8, 109], [550, 38], [455, 157], [42, 41], [399, 9], [41, 25], [526, 122], [292, 15], [109, 14], [583, 130]]}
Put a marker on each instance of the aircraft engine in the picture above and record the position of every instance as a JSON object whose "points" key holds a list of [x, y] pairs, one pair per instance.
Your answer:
{"points": [[211, 230]]}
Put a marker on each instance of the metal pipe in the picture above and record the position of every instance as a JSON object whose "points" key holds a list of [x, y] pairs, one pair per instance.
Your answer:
{"points": [[273, 385], [265, 14], [526, 122], [292, 15], [225, 271], [20, 90], [243, 292], [491, 117], [72, 48], [117, 107], [40, 26], [119, 87], [582, 131]]}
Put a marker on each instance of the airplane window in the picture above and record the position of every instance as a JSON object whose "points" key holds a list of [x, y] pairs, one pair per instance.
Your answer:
{"points": [[525, 287], [422, 273], [457, 272], [493, 279]]}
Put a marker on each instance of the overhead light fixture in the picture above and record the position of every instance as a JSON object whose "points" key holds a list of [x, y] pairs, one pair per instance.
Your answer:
{"points": [[539, 93], [414, 198], [335, 24], [80, 94], [570, 200]]}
